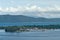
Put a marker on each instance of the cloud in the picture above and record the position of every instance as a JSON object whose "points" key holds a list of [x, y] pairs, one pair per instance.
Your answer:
{"points": [[34, 11], [30, 8]]}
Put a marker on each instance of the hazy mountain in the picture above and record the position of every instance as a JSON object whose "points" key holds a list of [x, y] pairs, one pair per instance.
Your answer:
{"points": [[21, 18]]}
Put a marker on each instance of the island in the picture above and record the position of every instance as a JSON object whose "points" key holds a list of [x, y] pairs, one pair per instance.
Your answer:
{"points": [[29, 28]]}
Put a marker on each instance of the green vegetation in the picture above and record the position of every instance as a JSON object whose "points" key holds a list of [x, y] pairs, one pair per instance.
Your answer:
{"points": [[28, 27]]}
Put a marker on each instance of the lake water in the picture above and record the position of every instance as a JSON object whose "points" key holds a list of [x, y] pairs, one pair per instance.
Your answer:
{"points": [[46, 35], [28, 23]]}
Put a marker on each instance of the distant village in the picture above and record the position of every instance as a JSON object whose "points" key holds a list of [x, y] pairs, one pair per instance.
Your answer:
{"points": [[29, 28]]}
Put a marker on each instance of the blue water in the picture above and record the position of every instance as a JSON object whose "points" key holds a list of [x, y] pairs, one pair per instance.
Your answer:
{"points": [[28, 23], [47, 35]]}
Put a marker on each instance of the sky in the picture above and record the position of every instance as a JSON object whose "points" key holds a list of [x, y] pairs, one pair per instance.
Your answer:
{"points": [[34, 8]]}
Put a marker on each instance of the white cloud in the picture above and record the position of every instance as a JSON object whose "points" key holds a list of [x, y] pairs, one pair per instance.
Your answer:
{"points": [[30, 8], [35, 11]]}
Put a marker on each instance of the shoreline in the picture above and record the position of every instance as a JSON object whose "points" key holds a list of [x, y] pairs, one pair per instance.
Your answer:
{"points": [[30, 28]]}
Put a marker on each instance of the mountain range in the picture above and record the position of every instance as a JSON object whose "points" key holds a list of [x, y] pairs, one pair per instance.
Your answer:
{"points": [[22, 18]]}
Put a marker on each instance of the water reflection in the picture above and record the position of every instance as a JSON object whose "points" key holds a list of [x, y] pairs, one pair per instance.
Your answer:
{"points": [[47, 35]]}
